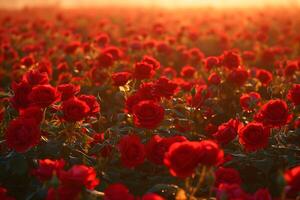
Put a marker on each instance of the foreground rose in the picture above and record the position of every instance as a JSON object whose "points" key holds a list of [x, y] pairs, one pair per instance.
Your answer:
{"points": [[182, 159], [158, 146], [274, 113], [117, 191], [148, 114], [132, 151], [209, 153], [227, 131], [250, 100], [254, 136], [4, 195], [22, 134], [79, 176], [74, 110], [43, 95]]}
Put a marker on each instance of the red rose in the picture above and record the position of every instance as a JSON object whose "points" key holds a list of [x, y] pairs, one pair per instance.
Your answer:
{"points": [[92, 102], [209, 153], [79, 176], [227, 131], [290, 68], [47, 168], [211, 62], [27, 61], [74, 109], [132, 151], [152, 61], [32, 112], [248, 101], [72, 47], [214, 79], [262, 194], [147, 92], [157, 147], [292, 179], [148, 114], [43, 95], [120, 78], [238, 76], [227, 175], [164, 87], [21, 92], [22, 134], [117, 191], [105, 60], [68, 91], [264, 76], [182, 158], [131, 101], [143, 70], [254, 136], [188, 71], [231, 59], [152, 196], [102, 39], [274, 113], [114, 51], [34, 77], [294, 94]]}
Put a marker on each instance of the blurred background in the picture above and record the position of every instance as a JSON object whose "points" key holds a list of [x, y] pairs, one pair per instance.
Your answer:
{"points": [[147, 3]]}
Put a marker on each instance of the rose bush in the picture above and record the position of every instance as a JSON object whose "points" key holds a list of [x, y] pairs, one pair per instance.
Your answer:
{"points": [[120, 104]]}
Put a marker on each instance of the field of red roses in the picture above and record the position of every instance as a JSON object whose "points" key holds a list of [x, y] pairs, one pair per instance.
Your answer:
{"points": [[132, 104]]}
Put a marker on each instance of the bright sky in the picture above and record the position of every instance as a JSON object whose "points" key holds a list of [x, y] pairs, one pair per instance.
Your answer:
{"points": [[162, 3]]}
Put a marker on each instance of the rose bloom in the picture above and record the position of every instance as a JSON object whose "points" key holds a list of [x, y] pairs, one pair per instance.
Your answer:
{"points": [[254, 136], [209, 153], [292, 179], [35, 77], [68, 91], [214, 79], [21, 91], [152, 196], [158, 146], [188, 71], [120, 78], [294, 94], [264, 76], [74, 110], [274, 113], [238, 76], [117, 191], [91, 101], [152, 61], [32, 112], [78, 176], [227, 175], [231, 59], [182, 159], [148, 114], [250, 100], [262, 194], [143, 70], [211, 62], [43, 95], [164, 87], [22, 134], [227, 131], [47, 168], [132, 151]]}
